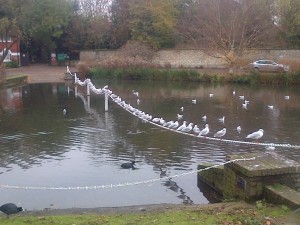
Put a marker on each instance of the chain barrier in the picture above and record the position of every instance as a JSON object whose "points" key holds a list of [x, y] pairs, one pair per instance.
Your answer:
{"points": [[96, 187]]}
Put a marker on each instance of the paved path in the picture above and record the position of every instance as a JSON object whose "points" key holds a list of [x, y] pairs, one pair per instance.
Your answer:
{"points": [[40, 73]]}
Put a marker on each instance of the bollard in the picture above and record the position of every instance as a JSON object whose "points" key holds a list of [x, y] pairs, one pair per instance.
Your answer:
{"points": [[106, 102], [89, 102], [88, 90], [76, 93]]}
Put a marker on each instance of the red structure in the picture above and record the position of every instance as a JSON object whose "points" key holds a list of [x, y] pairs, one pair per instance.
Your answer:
{"points": [[14, 51]]}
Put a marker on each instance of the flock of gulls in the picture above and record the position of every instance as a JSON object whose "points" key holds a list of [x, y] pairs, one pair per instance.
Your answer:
{"points": [[178, 126], [184, 126]]}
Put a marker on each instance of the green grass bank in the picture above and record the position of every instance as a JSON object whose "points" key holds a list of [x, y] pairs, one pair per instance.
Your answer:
{"points": [[221, 213], [194, 75]]}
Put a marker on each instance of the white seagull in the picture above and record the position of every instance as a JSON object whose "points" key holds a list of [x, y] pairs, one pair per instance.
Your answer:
{"points": [[286, 97], [179, 116], [183, 125], [167, 124], [194, 101], [270, 148], [241, 97], [136, 93], [162, 121], [174, 125], [181, 108], [204, 118], [188, 128], [211, 95], [156, 120], [204, 131], [222, 120], [220, 133], [238, 129], [256, 135], [196, 129], [64, 112], [270, 107], [244, 105], [233, 92]]}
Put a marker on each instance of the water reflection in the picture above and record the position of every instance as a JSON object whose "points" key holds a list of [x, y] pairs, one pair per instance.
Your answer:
{"points": [[41, 146]]}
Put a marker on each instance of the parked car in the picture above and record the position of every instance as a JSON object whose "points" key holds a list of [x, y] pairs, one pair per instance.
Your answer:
{"points": [[268, 66]]}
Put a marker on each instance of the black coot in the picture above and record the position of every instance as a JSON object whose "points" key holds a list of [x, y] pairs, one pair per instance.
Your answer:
{"points": [[128, 165], [10, 208]]}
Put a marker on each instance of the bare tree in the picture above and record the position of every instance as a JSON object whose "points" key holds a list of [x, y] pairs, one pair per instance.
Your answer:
{"points": [[226, 28]]}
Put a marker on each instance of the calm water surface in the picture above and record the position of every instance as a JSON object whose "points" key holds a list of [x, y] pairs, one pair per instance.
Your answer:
{"points": [[40, 147]]}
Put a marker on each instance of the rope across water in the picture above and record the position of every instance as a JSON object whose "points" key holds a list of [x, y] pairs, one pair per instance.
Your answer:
{"points": [[95, 187], [143, 116]]}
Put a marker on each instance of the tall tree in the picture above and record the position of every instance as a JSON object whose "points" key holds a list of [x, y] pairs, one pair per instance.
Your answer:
{"points": [[226, 28], [120, 32], [44, 22], [288, 19], [89, 25], [153, 22]]}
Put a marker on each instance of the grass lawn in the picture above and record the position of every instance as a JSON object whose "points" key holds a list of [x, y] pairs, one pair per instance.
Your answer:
{"points": [[222, 213]]}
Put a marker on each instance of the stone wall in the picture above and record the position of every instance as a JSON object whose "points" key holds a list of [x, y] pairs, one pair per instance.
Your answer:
{"points": [[247, 180], [195, 58]]}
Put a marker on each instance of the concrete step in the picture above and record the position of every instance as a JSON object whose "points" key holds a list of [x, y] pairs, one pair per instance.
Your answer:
{"points": [[281, 194]]}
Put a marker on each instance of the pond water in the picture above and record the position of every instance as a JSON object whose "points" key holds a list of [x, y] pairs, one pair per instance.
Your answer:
{"points": [[41, 147]]}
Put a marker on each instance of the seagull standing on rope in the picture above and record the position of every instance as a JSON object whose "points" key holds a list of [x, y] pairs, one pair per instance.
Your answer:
{"points": [[156, 120], [220, 133], [188, 128], [174, 125], [182, 126], [196, 129], [204, 131], [167, 124], [256, 135]]}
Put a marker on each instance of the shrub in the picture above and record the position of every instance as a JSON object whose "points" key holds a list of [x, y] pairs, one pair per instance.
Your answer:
{"points": [[82, 69], [12, 64]]}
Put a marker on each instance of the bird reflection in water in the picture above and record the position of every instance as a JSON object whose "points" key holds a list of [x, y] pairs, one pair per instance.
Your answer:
{"points": [[173, 186]]}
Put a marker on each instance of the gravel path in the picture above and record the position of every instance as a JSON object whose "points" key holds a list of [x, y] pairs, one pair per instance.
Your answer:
{"points": [[40, 73]]}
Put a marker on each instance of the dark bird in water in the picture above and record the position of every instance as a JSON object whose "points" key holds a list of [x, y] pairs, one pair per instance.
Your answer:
{"points": [[128, 165], [10, 208]]}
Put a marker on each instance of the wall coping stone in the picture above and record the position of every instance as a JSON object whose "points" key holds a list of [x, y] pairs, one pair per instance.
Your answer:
{"points": [[264, 164]]}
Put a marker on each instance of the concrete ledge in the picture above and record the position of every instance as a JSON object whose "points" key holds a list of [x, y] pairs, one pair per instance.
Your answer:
{"points": [[15, 80], [265, 165], [281, 194]]}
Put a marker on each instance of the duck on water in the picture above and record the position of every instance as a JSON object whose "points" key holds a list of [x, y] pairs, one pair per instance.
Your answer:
{"points": [[128, 165]]}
